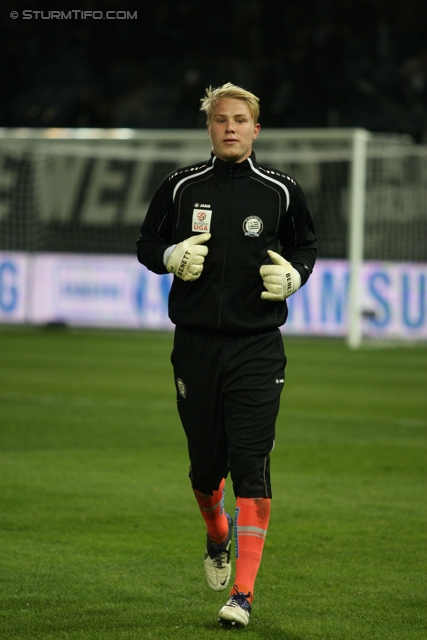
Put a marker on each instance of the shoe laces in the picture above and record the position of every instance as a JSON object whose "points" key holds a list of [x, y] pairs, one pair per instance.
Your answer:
{"points": [[218, 554], [238, 598]]}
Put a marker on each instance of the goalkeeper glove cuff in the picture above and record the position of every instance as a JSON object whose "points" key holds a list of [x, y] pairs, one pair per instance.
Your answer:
{"points": [[167, 254]]}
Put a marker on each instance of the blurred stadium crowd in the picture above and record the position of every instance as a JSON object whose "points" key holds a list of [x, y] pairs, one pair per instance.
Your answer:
{"points": [[314, 63]]}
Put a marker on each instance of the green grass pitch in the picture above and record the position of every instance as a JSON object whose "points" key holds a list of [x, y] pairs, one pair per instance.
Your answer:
{"points": [[100, 536]]}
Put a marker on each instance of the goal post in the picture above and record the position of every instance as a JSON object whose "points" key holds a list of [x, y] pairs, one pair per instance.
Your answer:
{"points": [[86, 191], [356, 234]]}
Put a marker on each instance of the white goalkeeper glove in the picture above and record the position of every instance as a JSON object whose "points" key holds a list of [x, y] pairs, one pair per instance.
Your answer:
{"points": [[187, 258], [280, 278]]}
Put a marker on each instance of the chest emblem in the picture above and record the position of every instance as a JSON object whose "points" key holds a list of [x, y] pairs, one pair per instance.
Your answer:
{"points": [[253, 226], [201, 220]]}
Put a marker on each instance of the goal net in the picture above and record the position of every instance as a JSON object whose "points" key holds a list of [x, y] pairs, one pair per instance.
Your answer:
{"points": [[87, 191]]}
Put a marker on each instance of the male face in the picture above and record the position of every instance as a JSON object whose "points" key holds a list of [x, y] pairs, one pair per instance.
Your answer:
{"points": [[232, 130]]}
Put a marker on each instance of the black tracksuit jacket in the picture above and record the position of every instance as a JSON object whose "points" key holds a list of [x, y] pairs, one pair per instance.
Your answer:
{"points": [[248, 209]]}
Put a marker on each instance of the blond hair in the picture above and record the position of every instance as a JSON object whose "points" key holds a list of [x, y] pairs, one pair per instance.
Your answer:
{"points": [[229, 90]]}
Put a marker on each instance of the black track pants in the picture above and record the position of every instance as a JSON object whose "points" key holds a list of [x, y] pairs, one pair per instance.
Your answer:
{"points": [[228, 393]]}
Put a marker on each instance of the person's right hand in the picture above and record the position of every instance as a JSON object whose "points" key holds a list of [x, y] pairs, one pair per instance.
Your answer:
{"points": [[186, 260]]}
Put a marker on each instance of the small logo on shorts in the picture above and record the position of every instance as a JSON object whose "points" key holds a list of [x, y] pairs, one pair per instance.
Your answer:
{"points": [[253, 226], [181, 387]]}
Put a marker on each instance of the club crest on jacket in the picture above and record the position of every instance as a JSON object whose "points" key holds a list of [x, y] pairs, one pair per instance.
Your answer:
{"points": [[253, 226]]}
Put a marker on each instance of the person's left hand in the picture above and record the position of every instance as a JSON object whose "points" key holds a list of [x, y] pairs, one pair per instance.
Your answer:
{"points": [[280, 278]]}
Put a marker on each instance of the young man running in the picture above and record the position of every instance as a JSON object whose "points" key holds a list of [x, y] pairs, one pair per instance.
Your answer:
{"points": [[240, 240]]}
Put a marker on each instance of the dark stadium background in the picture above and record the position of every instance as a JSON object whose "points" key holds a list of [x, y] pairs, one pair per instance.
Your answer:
{"points": [[318, 63]]}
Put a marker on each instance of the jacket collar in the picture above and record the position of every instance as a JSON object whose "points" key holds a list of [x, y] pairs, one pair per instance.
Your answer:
{"points": [[236, 169]]}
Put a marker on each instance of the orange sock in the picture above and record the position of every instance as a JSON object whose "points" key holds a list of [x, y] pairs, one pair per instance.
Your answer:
{"points": [[250, 529], [212, 510]]}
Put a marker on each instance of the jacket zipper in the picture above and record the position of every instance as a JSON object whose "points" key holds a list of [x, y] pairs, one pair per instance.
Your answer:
{"points": [[230, 184]]}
